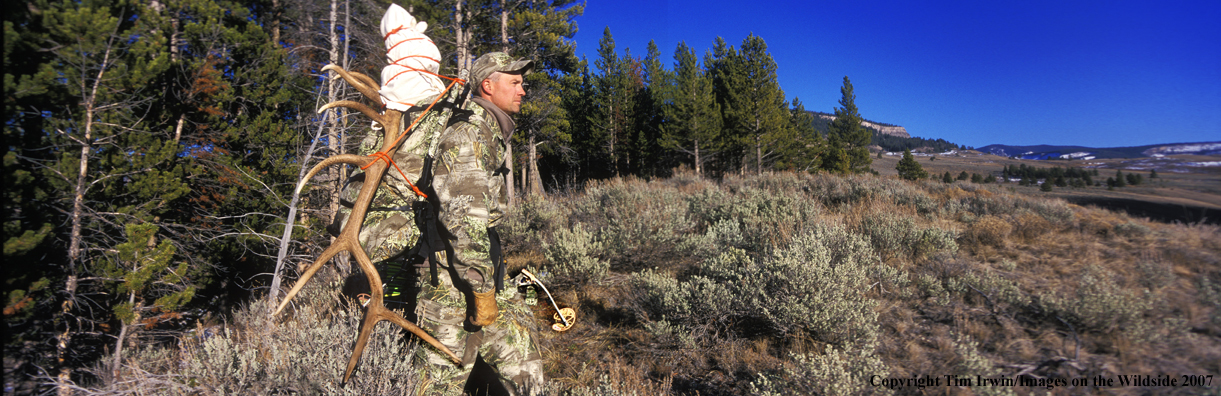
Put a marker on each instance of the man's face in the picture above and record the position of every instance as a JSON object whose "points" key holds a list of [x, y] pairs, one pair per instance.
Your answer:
{"points": [[505, 91]]}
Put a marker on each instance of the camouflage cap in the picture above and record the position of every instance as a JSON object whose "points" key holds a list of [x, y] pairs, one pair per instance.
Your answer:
{"points": [[499, 62]]}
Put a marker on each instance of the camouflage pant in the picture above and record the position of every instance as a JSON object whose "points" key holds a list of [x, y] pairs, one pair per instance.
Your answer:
{"points": [[505, 345]]}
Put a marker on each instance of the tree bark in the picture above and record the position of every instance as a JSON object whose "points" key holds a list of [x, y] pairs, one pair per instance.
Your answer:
{"points": [[536, 180], [462, 38], [698, 168], [504, 47], [276, 14], [509, 176], [504, 26], [334, 133], [277, 276], [759, 153], [78, 212], [117, 363]]}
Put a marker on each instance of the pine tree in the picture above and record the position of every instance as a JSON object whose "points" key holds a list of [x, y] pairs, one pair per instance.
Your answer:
{"points": [[757, 106], [847, 133], [33, 256], [909, 168], [1133, 179], [150, 279], [541, 31], [946, 178], [654, 92], [105, 157], [693, 117], [1119, 179], [614, 95], [726, 72], [142, 133], [807, 147], [578, 100]]}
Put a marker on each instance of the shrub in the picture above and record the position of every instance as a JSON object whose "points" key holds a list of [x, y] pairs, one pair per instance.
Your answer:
{"points": [[720, 236], [1029, 226], [996, 287], [827, 265], [1210, 296], [931, 286], [1131, 229], [834, 372], [974, 364], [641, 222], [1099, 304], [772, 216], [524, 228], [1055, 211], [574, 256], [892, 235], [852, 190], [988, 231], [304, 351], [1154, 274]]}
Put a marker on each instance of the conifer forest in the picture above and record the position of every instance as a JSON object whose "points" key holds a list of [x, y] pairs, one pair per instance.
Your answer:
{"points": [[715, 237]]}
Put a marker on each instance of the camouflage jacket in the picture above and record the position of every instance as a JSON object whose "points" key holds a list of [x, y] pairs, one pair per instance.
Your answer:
{"points": [[468, 176], [469, 179]]}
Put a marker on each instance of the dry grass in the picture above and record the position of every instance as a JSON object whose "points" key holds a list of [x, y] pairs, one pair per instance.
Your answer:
{"points": [[1006, 289], [956, 279]]}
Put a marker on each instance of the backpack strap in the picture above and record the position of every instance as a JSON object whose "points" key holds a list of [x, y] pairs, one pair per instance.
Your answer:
{"points": [[426, 221], [497, 256]]}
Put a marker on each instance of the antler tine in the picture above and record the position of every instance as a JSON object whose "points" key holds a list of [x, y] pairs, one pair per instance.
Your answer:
{"points": [[360, 81], [358, 160], [366, 110], [309, 273], [376, 312]]}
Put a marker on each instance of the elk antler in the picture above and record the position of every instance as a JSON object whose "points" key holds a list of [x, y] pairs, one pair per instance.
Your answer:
{"points": [[361, 82], [347, 239]]}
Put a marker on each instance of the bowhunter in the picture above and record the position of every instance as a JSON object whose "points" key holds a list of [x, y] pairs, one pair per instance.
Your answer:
{"points": [[455, 152], [469, 310], [452, 245]]}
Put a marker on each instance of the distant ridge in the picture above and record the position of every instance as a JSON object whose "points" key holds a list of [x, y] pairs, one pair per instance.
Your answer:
{"points": [[1044, 152], [877, 127]]}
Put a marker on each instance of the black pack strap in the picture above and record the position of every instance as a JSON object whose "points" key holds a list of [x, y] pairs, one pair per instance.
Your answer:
{"points": [[426, 221], [497, 256], [430, 240]]}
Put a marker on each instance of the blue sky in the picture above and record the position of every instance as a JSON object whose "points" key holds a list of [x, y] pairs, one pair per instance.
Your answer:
{"points": [[978, 72]]}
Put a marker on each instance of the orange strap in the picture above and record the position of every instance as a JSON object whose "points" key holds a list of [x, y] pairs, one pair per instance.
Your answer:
{"points": [[382, 156]]}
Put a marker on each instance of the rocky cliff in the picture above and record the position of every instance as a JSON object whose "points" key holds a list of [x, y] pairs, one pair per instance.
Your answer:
{"points": [[881, 129]]}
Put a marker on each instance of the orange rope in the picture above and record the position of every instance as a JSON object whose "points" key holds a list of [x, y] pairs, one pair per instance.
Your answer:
{"points": [[382, 156], [404, 41]]}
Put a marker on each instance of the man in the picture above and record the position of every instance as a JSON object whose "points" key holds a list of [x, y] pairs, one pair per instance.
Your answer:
{"points": [[469, 310]]}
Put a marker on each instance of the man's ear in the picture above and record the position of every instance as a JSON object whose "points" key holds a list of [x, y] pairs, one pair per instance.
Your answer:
{"points": [[485, 87]]}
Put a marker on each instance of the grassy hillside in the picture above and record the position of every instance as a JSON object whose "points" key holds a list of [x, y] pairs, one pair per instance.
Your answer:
{"points": [[1189, 197], [789, 284]]}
